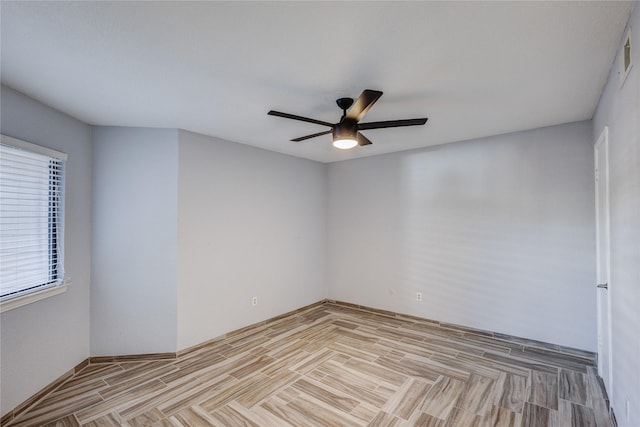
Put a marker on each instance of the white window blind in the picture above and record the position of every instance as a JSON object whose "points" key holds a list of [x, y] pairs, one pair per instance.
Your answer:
{"points": [[31, 217]]}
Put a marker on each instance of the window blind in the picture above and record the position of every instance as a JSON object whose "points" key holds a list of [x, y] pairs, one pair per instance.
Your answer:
{"points": [[31, 217]]}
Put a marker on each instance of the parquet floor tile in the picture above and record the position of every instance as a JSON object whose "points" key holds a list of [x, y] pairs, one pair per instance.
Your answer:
{"points": [[337, 365]]}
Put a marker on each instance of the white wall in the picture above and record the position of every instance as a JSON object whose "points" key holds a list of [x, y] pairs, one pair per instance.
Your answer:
{"points": [[497, 233], [619, 108], [250, 223], [41, 341], [187, 228], [133, 282]]}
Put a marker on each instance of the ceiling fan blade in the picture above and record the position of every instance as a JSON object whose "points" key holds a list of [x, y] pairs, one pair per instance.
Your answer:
{"points": [[363, 140], [392, 123], [302, 138], [303, 119], [363, 104]]}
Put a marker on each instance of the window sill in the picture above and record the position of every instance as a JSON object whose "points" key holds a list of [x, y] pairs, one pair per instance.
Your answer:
{"points": [[16, 302]]}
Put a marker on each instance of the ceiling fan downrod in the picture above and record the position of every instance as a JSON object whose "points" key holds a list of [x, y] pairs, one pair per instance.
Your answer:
{"points": [[344, 104]]}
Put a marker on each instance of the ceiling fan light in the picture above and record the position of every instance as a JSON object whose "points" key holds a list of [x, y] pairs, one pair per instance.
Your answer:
{"points": [[345, 134], [345, 143]]}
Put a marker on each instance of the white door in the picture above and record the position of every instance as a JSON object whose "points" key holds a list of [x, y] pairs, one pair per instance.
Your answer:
{"points": [[602, 259]]}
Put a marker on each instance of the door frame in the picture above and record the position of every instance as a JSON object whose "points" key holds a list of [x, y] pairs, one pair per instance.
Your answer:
{"points": [[603, 144]]}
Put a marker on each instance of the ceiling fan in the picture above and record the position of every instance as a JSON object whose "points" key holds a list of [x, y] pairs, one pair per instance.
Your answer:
{"points": [[346, 132]]}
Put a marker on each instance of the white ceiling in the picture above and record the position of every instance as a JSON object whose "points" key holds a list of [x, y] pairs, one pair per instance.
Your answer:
{"points": [[474, 68]]}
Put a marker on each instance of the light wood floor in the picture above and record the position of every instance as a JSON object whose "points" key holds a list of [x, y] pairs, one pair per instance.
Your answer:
{"points": [[334, 365]]}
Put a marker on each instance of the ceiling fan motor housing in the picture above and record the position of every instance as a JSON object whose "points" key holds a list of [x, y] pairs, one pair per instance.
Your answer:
{"points": [[346, 129]]}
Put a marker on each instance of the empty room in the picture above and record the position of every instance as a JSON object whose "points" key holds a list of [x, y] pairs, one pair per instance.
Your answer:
{"points": [[319, 213]]}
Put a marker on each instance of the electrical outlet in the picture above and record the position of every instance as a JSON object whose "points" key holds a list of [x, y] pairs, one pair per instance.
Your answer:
{"points": [[419, 296], [254, 301]]}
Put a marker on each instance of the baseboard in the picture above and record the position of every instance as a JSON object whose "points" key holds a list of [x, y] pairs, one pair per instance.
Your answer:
{"points": [[248, 328], [527, 342], [132, 357]]}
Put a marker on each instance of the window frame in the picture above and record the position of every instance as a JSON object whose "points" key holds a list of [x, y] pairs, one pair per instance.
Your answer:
{"points": [[37, 293]]}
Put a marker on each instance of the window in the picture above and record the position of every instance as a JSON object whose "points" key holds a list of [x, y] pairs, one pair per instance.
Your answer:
{"points": [[31, 222]]}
